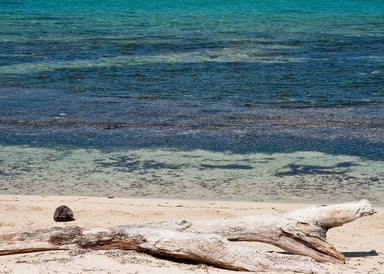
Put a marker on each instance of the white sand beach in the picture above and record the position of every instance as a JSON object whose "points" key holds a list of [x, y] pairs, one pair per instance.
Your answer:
{"points": [[362, 241]]}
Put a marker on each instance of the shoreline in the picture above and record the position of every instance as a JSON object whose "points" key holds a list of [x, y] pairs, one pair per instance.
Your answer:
{"points": [[28, 212]]}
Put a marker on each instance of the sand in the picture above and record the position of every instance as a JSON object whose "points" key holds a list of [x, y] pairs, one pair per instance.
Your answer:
{"points": [[362, 241]]}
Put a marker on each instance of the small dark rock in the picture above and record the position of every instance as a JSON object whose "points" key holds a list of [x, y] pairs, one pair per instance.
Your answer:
{"points": [[63, 214]]}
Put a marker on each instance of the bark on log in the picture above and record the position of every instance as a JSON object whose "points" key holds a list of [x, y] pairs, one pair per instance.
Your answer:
{"points": [[301, 232]]}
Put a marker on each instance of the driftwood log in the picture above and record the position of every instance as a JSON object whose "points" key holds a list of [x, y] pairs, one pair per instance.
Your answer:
{"points": [[302, 232]]}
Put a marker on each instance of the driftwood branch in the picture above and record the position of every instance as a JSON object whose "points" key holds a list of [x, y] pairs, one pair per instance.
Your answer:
{"points": [[302, 232]]}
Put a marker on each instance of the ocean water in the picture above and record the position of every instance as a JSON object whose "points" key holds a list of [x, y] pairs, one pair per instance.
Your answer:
{"points": [[243, 100]]}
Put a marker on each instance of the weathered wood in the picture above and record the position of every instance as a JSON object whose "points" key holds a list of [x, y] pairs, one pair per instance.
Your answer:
{"points": [[302, 232], [201, 247]]}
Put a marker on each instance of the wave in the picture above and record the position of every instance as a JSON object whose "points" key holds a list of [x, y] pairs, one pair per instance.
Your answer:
{"points": [[126, 61]]}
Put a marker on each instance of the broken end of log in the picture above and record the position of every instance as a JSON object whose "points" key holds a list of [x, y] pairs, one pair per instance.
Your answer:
{"points": [[365, 209], [329, 216]]}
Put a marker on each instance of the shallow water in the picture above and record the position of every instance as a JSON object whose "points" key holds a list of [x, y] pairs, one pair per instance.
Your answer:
{"points": [[142, 98], [195, 174]]}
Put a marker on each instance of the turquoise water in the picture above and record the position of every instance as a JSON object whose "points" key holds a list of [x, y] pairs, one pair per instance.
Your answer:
{"points": [[248, 80]]}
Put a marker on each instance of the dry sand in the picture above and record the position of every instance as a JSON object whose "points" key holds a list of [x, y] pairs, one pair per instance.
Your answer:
{"points": [[362, 241]]}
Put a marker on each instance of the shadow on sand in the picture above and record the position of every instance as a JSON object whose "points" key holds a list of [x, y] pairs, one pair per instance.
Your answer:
{"points": [[355, 254]]}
